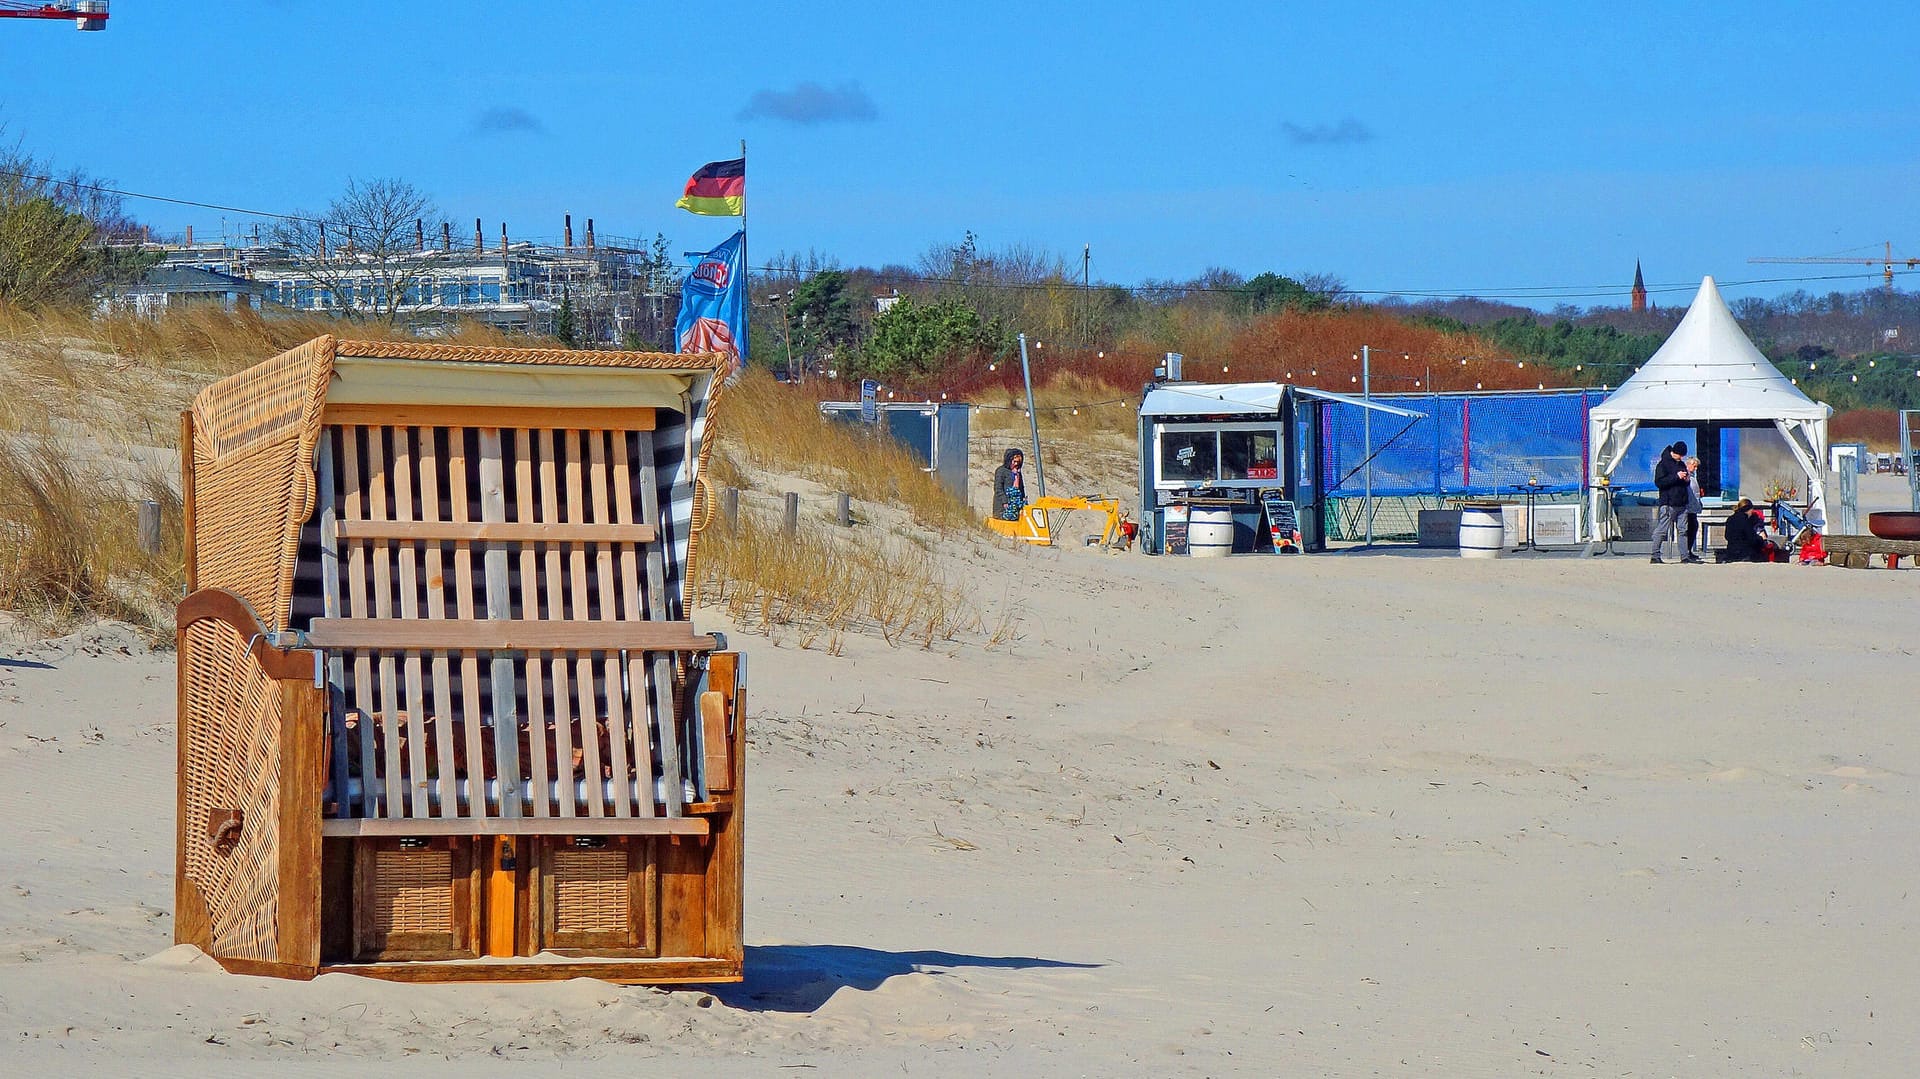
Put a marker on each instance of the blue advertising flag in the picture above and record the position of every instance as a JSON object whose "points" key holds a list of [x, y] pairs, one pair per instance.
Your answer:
{"points": [[713, 305]]}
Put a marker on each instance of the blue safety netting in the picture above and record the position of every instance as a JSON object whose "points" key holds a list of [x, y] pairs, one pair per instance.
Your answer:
{"points": [[1475, 444]]}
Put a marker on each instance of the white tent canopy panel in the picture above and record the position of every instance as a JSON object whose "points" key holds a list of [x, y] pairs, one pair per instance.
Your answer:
{"points": [[1709, 372]]}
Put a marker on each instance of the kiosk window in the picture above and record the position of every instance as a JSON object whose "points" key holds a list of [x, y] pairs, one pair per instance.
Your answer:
{"points": [[1187, 455], [1249, 455]]}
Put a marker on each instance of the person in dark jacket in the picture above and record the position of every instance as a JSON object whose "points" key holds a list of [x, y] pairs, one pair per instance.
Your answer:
{"points": [[1673, 478], [1009, 487], [1746, 538]]}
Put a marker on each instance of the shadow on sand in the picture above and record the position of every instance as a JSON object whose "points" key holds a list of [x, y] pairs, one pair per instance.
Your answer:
{"points": [[800, 977]]}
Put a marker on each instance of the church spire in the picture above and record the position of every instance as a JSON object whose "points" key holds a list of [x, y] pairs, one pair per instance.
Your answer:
{"points": [[1639, 288]]}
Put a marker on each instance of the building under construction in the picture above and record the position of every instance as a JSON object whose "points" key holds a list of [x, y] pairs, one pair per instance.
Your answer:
{"points": [[619, 291]]}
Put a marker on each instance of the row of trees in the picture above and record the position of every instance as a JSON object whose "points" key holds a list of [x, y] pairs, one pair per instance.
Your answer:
{"points": [[959, 307], [54, 228], [962, 303]]}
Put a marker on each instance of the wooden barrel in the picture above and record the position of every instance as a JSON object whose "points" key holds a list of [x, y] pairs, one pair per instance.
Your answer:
{"points": [[1210, 532], [1483, 532]]}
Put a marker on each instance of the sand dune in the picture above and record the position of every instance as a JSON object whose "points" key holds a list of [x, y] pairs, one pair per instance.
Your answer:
{"points": [[1334, 816]]}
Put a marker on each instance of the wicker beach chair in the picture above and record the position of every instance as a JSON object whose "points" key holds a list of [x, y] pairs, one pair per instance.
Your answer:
{"points": [[442, 713]]}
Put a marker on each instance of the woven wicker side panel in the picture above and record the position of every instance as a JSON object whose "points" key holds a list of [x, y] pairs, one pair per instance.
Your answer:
{"points": [[253, 439], [411, 893], [591, 891], [231, 726]]}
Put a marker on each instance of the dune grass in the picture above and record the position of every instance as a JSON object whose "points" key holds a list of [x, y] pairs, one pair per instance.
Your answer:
{"points": [[821, 583], [69, 540], [79, 392], [767, 426]]}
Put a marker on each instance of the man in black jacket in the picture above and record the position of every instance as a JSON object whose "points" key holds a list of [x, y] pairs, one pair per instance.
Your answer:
{"points": [[1671, 476]]}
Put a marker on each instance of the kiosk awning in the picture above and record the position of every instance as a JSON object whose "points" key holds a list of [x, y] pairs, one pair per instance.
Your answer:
{"points": [[1359, 402], [1243, 399]]}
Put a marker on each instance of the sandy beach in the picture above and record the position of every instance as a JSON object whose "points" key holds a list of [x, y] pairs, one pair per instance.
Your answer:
{"points": [[1385, 813]]}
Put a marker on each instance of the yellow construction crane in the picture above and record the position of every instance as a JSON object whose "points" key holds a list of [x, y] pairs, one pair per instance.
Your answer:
{"points": [[1887, 262]]}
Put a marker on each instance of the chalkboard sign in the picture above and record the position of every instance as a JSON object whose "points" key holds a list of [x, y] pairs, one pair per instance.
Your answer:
{"points": [[1283, 522], [1174, 529]]}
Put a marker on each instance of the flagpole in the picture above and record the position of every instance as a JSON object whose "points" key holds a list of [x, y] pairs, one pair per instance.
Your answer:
{"points": [[746, 277]]}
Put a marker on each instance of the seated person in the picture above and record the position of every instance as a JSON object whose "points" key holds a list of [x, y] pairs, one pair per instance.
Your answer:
{"points": [[1746, 535]]}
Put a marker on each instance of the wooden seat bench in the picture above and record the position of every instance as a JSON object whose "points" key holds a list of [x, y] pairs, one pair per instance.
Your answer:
{"points": [[437, 675]]}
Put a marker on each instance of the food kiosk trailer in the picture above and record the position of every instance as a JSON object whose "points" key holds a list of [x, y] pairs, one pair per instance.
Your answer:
{"points": [[1219, 464]]}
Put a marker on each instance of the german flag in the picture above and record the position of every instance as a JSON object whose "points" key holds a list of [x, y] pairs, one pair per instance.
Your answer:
{"points": [[718, 189]]}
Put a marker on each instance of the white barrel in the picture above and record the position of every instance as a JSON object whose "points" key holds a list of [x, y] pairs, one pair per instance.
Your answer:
{"points": [[1210, 532], [1483, 533]]}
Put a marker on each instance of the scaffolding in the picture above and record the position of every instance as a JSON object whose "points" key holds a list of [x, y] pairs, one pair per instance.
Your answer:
{"points": [[619, 292]]}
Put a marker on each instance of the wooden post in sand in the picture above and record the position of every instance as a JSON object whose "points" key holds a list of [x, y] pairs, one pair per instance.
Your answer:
{"points": [[843, 509], [150, 526], [730, 506], [793, 513]]}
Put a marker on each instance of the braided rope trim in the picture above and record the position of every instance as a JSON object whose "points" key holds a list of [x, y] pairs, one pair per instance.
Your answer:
{"points": [[410, 350]]}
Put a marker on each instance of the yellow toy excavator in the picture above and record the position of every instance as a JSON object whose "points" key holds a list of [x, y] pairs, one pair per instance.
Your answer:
{"points": [[1037, 524]]}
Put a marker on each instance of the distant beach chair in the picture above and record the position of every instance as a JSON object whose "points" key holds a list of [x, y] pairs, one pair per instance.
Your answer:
{"points": [[442, 715]]}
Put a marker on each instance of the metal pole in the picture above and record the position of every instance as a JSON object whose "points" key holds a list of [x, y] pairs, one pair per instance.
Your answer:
{"points": [[1033, 420], [1366, 429]]}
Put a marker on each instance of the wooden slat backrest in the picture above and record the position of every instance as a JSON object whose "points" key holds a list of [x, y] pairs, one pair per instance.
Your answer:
{"points": [[541, 802], [625, 513], [435, 568], [565, 529]]}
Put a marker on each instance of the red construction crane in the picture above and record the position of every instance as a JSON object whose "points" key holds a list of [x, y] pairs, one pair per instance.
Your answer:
{"points": [[86, 14], [1887, 262]]}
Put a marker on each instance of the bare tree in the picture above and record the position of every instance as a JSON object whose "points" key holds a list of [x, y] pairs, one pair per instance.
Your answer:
{"points": [[366, 249]]}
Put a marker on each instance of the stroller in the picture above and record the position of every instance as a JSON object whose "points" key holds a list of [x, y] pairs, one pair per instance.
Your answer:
{"points": [[1803, 536]]}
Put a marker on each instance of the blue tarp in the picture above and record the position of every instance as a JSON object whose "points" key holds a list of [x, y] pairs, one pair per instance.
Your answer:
{"points": [[1479, 444]]}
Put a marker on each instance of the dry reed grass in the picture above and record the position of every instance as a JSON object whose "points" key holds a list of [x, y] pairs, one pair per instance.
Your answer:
{"points": [[79, 393], [74, 384], [1879, 428], [70, 545], [767, 426], [819, 586]]}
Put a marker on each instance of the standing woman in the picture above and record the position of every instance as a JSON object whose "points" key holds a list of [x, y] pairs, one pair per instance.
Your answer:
{"points": [[1694, 505], [1009, 488]]}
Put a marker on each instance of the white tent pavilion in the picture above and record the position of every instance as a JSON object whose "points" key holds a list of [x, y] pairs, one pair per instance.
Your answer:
{"points": [[1708, 373]]}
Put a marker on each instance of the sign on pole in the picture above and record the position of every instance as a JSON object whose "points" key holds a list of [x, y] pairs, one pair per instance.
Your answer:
{"points": [[869, 400]]}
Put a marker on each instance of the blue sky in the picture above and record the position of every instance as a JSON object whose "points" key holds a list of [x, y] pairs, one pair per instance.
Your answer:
{"points": [[1460, 148]]}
